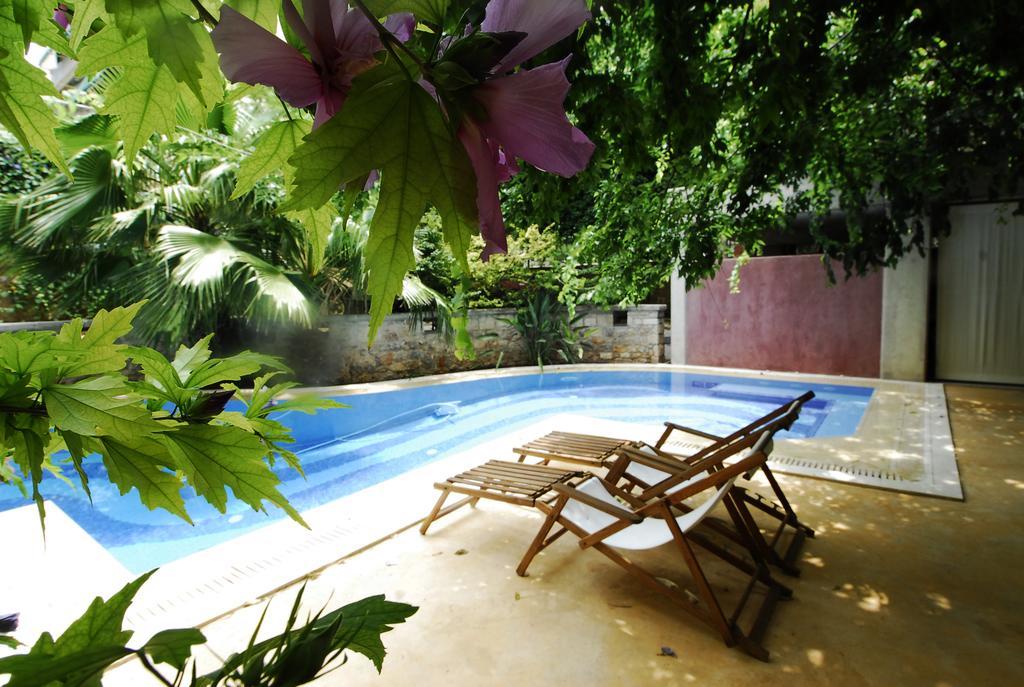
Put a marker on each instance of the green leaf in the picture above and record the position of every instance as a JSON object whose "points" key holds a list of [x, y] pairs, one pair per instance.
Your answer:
{"points": [[90, 644], [158, 372], [98, 407], [263, 12], [76, 448], [102, 622], [230, 369], [396, 127], [27, 443], [29, 14], [23, 111], [273, 148], [425, 10], [236, 419], [306, 403], [213, 457], [369, 618], [30, 670], [141, 464], [108, 326], [143, 99], [188, 359], [95, 351], [317, 226], [86, 13], [173, 647], [26, 352], [174, 40]]}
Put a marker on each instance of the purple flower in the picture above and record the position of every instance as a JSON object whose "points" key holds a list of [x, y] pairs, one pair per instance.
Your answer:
{"points": [[341, 41], [525, 113], [61, 16]]}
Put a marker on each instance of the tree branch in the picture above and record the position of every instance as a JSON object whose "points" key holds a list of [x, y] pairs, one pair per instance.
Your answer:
{"points": [[388, 38], [204, 14], [151, 668], [39, 411]]}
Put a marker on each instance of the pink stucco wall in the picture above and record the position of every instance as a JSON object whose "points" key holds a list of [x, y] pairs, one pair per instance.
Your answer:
{"points": [[787, 318]]}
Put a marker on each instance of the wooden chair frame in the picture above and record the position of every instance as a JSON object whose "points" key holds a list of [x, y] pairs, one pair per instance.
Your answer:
{"points": [[596, 451], [666, 507]]}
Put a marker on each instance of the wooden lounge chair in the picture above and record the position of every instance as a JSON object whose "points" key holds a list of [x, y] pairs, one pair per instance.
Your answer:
{"points": [[597, 451], [499, 480], [605, 519]]}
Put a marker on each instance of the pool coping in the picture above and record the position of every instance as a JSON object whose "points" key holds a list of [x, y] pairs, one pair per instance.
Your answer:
{"points": [[204, 586]]}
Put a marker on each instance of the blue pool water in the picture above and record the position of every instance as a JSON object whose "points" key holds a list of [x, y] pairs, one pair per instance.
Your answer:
{"points": [[387, 433]]}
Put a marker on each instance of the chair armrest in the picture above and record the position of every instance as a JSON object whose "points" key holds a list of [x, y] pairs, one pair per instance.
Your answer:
{"points": [[695, 432], [597, 503]]}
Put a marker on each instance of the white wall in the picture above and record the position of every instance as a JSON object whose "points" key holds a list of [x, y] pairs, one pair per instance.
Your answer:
{"points": [[905, 318]]}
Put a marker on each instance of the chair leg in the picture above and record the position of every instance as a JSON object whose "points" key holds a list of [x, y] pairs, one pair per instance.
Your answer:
{"points": [[785, 561], [707, 595], [540, 542], [437, 512]]}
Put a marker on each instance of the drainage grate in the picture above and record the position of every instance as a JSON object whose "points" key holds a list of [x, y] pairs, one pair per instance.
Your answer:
{"points": [[802, 465], [782, 462]]}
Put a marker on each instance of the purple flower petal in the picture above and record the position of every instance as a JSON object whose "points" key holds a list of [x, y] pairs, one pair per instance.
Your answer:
{"points": [[527, 117], [318, 16], [294, 20], [328, 105], [251, 54], [61, 16], [401, 26], [484, 156], [545, 22], [355, 37], [371, 179]]}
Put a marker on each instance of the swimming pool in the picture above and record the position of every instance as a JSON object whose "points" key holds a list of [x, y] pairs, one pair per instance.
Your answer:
{"points": [[386, 433]]}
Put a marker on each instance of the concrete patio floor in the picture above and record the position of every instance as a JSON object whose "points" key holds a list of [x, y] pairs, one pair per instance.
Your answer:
{"points": [[895, 590]]}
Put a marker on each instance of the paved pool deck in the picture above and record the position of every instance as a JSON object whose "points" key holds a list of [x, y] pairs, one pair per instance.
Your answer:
{"points": [[896, 589]]}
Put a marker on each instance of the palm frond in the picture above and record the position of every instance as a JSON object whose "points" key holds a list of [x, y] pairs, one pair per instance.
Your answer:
{"points": [[94, 131], [112, 226], [203, 259], [207, 264], [42, 217], [416, 295]]}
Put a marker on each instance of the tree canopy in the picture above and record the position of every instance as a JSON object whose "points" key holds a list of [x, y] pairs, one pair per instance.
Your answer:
{"points": [[716, 123]]}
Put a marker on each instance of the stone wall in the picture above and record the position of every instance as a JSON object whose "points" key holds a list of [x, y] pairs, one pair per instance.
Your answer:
{"points": [[629, 335], [336, 351]]}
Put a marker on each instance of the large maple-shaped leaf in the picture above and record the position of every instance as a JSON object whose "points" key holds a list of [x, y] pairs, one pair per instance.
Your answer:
{"points": [[143, 98], [142, 465], [95, 351], [85, 649], [98, 407], [425, 10], [230, 369], [26, 352], [173, 647], [107, 326], [316, 226], [263, 12], [174, 40], [392, 125], [86, 13], [270, 154], [213, 457], [29, 14], [22, 109], [188, 358]]}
